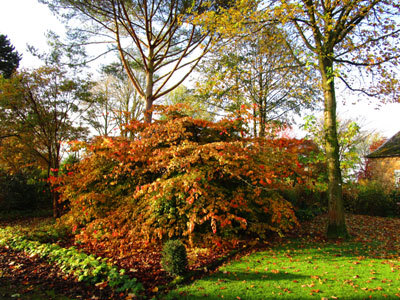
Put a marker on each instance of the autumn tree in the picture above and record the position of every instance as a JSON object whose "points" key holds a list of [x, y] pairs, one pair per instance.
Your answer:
{"points": [[343, 37], [9, 58], [38, 110], [168, 44]]}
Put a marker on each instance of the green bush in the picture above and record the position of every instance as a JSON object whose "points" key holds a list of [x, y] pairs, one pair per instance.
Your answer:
{"points": [[372, 199], [174, 258]]}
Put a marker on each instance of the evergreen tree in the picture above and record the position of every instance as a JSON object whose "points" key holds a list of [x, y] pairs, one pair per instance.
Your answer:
{"points": [[9, 58]]}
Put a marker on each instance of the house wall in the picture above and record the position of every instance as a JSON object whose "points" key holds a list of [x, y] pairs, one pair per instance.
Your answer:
{"points": [[383, 170]]}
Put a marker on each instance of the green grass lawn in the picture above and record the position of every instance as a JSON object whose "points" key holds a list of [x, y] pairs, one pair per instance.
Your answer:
{"points": [[303, 269]]}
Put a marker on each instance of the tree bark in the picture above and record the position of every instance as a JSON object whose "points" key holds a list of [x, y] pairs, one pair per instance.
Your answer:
{"points": [[336, 219], [148, 97]]}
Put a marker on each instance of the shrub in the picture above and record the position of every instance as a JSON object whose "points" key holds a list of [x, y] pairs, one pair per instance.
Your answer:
{"points": [[178, 177], [174, 258], [370, 198]]}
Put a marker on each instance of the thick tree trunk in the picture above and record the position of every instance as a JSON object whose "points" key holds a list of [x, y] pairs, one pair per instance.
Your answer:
{"points": [[336, 220]]}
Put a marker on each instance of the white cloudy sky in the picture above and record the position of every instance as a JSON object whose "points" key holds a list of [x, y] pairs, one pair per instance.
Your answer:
{"points": [[27, 21]]}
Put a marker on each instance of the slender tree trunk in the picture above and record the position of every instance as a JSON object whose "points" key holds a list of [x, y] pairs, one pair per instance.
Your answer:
{"points": [[336, 220], [255, 121], [148, 113], [55, 195]]}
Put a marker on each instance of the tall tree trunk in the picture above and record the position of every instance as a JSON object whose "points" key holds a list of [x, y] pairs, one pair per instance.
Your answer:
{"points": [[336, 220]]}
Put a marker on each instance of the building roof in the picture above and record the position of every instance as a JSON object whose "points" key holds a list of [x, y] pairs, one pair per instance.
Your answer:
{"points": [[388, 149]]}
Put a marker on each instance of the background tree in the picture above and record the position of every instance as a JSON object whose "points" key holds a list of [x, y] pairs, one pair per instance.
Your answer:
{"points": [[9, 58], [341, 35], [195, 104], [259, 70], [38, 110], [169, 45], [354, 144], [118, 102]]}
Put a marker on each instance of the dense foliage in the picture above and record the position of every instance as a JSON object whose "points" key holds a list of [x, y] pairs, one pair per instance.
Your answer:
{"points": [[181, 177]]}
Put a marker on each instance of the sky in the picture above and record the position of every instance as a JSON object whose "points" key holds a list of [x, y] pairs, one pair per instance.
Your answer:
{"points": [[26, 22]]}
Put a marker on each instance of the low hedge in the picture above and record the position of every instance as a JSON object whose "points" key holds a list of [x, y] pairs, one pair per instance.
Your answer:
{"points": [[86, 268]]}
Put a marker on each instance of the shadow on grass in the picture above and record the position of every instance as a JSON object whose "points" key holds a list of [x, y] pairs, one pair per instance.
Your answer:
{"points": [[227, 281], [241, 276], [347, 249]]}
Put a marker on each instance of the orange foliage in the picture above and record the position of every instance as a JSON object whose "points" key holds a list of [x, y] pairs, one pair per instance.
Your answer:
{"points": [[181, 177]]}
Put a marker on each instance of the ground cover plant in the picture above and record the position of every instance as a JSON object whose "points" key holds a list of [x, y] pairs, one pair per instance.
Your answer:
{"points": [[31, 277], [84, 267], [311, 268]]}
